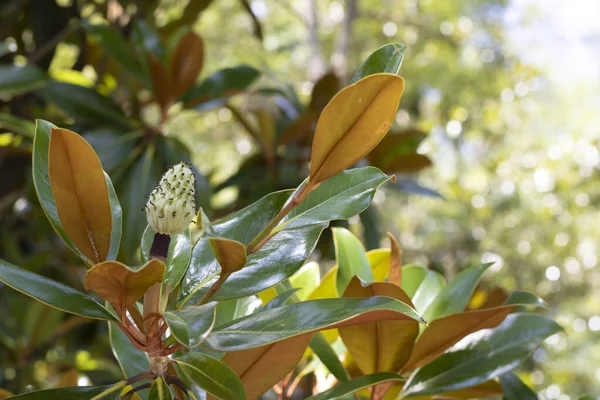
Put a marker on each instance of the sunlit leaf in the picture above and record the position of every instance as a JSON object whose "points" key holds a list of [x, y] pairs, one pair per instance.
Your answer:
{"points": [[493, 352], [444, 332], [289, 321], [395, 271], [421, 285], [379, 346], [351, 259], [343, 389], [52, 293], [387, 58], [455, 295], [355, 120], [120, 285]]}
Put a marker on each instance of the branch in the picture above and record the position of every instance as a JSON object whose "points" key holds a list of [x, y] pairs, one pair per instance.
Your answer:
{"points": [[49, 45]]}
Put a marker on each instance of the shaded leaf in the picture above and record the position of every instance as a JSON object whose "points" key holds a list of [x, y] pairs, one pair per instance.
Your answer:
{"points": [[188, 17], [212, 375], [178, 258], [482, 356], [295, 319], [159, 390], [17, 125], [280, 299], [118, 48], [261, 368], [217, 88], [322, 349], [86, 105], [69, 393], [387, 58], [190, 326], [352, 124], [323, 91], [120, 285], [162, 84], [384, 345], [514, 389], [15, 79], [351, 259], [80, 192], [52, 293]]}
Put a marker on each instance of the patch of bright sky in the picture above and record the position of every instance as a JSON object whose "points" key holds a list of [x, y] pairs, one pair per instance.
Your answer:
{"points": [[561, 37]]}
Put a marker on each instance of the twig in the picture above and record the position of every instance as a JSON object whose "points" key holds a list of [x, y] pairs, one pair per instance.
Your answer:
{"points": [[213, 289], [49, 45]]}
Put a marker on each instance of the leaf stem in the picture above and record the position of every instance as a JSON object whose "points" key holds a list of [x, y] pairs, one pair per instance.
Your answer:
{"points": [[213, 289], [267, 233]]}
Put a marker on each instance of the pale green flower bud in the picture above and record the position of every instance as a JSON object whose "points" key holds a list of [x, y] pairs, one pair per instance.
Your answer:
{"points": [[172, 204]]}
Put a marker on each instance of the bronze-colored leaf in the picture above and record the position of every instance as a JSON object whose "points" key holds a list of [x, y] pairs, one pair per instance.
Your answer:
{"points": [[384, 345], [323, 91], [261, 368], [395, 274], [352, 124], [120, 285], [186, 62], [162, 84], [80, 192], [230, 254], [444, 332], [68, 378]]}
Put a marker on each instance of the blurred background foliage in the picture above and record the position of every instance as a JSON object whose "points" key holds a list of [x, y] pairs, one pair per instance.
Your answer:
{"points": [[495, 144]]}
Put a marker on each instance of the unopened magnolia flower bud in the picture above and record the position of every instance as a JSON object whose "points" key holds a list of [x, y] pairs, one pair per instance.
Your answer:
{"points": [[172, 204]]}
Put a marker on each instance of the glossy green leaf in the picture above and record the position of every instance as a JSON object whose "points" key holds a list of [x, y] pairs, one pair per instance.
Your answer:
{"points": [[525, 299], [263, 268], [212, 375], [323, 350], [422, 285], [113, 148], [513, 388], [131, 360], [217, 88], [137, 183], [346, 388], [17, 125], [52, 293], [159, 390], [190, 326], [15, 79], [482, 356], [351, 259], [340, 197], [120, 51], [280, 323], [179, 256], [68, 393], [86, 105], [387, 58], [117, 220], [455, 295]]}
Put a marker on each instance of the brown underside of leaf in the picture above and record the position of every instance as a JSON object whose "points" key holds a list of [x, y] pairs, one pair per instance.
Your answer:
{"points": [[120, 285], [80, 193], [261, 368], [186, 62]]}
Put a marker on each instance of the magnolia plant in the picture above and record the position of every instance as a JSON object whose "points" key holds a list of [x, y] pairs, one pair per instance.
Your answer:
{"points": [[187, 323]]}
